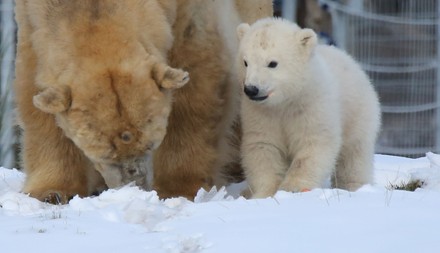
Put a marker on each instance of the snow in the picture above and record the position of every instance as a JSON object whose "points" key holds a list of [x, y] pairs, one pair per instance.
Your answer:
{"points": [[372, 219]]}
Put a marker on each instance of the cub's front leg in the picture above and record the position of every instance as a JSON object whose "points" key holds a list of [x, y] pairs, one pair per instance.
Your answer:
{"points": [[264, 168], [312, 165], [263, 157]]}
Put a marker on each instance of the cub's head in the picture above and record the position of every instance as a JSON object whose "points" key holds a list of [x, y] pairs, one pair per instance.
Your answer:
{"points": [[273, 58]]}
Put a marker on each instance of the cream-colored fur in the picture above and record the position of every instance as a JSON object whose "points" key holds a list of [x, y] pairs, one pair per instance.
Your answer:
{"points": [[92, 92], [311, 116], [93, 84]]}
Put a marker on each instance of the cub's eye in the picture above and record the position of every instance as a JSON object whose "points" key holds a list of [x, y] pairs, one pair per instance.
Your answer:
{"points": [[272, 64], [245, 63]]}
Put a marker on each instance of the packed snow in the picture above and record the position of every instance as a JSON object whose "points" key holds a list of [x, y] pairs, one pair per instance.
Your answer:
{"points": [[373, 219]]}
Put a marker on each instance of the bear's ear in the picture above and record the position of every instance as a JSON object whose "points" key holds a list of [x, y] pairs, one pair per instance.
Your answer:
{"points": [[307, 38], [53, 100], [169, 78], [242, 30]]}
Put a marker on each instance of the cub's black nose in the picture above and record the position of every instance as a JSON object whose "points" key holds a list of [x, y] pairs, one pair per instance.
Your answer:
{"points": [[251, 91]]}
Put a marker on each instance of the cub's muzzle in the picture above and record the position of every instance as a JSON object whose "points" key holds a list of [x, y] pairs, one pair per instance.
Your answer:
{"points": [[253, 93]]}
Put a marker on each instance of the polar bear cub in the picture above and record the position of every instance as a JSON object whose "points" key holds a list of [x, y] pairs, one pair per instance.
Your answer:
{"points": [[309, 113]]}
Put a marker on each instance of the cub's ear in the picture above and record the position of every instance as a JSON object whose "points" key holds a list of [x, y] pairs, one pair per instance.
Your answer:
{"points": [[53, 100], [169, 78], [242, 29], [307, 38]]}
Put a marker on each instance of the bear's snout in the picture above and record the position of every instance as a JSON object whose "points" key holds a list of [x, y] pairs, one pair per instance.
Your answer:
{"points": [[253, 93]]}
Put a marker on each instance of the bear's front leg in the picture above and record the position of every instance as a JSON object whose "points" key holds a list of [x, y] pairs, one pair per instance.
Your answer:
{"points": [[56, 170], [312, 165], [264, 167], [183, 166]]}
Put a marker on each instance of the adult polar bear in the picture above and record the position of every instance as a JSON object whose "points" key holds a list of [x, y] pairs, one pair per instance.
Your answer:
{"points": [[307, 110], [93, 82], [199, 143]]}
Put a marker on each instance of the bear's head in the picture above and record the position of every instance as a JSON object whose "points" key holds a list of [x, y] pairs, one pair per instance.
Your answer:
{"points": [[104, 78], [115, 116], [274, 56]]}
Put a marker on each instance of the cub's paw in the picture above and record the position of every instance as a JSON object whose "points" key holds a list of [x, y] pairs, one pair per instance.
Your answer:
{"points": [[261, 194], [298, 186], [348, 186], [246, 193]]}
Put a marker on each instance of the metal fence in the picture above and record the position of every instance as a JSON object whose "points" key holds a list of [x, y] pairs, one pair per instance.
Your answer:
{"points": [[397, 43], [7, 53]]}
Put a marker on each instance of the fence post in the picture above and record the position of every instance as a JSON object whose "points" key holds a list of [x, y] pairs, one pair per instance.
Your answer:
{"points": [[437, 126], [289, 9]]}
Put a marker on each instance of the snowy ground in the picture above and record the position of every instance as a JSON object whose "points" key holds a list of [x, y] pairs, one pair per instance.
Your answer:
{"points": [[373, 219]]}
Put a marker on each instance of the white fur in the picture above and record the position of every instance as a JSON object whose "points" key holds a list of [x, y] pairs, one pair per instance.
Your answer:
{"points": [[321, 117]]}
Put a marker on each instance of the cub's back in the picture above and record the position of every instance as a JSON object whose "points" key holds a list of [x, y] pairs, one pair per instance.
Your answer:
{"points": [[359, 101]]}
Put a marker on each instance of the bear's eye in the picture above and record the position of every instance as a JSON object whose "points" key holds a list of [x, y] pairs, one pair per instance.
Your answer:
{"points": [[272, 64], [245, 63]]}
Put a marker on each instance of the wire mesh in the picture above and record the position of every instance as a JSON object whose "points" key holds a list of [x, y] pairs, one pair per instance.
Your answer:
{"points": [[397, 44], [7, 53]]}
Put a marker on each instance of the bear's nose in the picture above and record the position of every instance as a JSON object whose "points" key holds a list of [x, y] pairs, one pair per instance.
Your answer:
{"points": [[254, 93], [251, 91]]}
